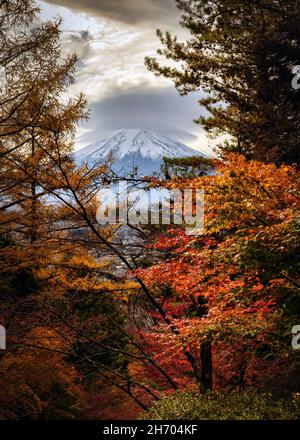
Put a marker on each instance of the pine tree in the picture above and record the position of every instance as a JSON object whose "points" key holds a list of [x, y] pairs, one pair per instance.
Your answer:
{"points": [[242, 54]]}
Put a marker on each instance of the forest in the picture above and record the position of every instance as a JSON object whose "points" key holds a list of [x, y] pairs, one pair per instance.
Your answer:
{"points": [[163, 325]]}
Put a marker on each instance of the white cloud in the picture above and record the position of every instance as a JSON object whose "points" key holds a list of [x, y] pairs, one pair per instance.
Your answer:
{"points": [[112, 60], [112, 75]]}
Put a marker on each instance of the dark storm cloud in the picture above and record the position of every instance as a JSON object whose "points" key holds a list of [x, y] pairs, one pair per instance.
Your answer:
{"points": [[127, 11], [159, 109]]}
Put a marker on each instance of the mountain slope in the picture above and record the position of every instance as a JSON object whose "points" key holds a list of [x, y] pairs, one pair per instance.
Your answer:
{"points": [[131, 148]]}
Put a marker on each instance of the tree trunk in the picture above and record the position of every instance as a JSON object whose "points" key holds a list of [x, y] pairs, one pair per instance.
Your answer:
{"points": [[206, 367], [33, 207]]}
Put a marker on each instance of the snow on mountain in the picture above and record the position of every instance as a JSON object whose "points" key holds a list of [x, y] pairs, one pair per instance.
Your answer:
{"points": [[131, 148]]}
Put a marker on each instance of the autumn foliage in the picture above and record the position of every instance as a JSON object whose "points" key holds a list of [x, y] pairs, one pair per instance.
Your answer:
{"points": [[102, 326], [242, 274]]}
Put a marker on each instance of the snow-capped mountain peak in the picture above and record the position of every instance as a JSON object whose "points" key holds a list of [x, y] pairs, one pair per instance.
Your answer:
{"points": [[135, 148]]}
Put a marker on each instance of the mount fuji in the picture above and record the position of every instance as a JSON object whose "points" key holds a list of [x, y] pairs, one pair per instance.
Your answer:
{"points": [[135, 148]]}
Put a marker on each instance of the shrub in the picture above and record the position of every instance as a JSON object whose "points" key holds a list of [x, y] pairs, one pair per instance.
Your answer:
{"points": [[221, 406]]}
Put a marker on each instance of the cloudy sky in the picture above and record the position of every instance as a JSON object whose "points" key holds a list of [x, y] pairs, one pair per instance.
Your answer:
{"points": [[112, 38]]}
